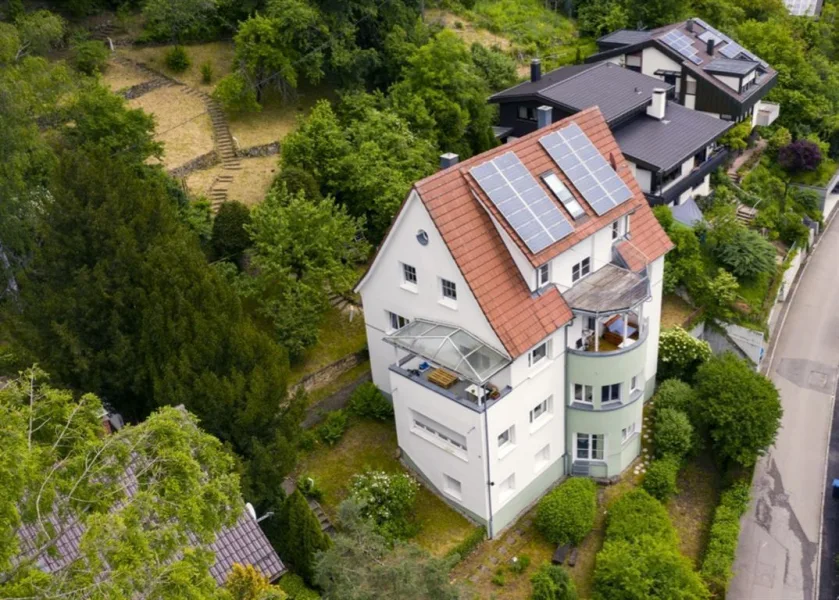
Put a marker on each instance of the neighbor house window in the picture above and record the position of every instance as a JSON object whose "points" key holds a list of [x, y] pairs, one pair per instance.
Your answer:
{"points": [[527, 114], [581, 269], [616, 230], [690, 87], [409, 275], [538, 354], [589, 446], [449, 289], [543, 275], [627, 432], [507, 438], [396, 321], [583, 393], [452, 486], [541, 409], [610, 393]]}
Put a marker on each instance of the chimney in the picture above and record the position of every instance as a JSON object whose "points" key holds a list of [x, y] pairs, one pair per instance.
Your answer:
{"points": [[689, 25], [658, 104], [709, 46], [535, 70], [544, 116], [449, 159]]}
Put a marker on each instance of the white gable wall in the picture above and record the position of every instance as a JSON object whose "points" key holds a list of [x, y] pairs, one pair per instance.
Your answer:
{"points": [[382, 289], [653, 60]]}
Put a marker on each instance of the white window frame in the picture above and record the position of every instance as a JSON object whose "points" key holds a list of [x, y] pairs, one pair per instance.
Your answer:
{"points": [[591, 438], [448, 292], [409, 277], [633, 383], [396, 321], [507, 488], [611, 393], [507, 437], [542, 459], [428, 430], [581, 269], [543, 275], [531, 362], [627, 432], [584, 394], [452, 487], [545, 408]]}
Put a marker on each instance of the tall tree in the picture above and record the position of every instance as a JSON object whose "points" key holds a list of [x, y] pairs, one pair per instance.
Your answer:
{"points": [[362, 565], [58, 468], [302, 537]]}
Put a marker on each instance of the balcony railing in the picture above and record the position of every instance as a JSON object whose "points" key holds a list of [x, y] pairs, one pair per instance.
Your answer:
{"points": [[767, 113], [693, 179]]}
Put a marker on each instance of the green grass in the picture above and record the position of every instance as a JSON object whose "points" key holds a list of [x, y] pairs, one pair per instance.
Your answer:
{"points": [[338, 337], [692, 509], [372, 445], [754, 291], [818, 178]]}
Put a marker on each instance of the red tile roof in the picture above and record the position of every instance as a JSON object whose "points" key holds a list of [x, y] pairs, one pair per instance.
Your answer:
{"points": [[459, 208]]}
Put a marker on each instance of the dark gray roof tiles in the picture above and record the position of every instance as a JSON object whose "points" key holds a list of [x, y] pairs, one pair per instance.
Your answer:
{"points": [[667, 143], [528, 87], [731, 66], [625, 37]]}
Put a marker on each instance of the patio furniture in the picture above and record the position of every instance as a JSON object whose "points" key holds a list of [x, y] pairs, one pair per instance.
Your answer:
{"points": [[615, 325], [442, 378], [560, 553], [572, 558], [613, 338]]}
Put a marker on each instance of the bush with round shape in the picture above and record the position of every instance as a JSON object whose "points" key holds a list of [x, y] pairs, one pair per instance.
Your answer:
{"points": [[177, 59], [660, 478], [800, 155], [236, 95], [675, 394], [566, 514], [332, 429], [552, 582], [368, 401], [89, 57], [636, 514], [680, 354], [672, 433], [296, 180], [388, 500]]}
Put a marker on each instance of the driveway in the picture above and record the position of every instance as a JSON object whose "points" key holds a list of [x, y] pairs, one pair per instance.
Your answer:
{"points": [[777, 556]]}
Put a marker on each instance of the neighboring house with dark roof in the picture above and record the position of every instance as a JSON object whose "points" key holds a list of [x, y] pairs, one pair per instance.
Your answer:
{"points": [[709, 71], [512, 315], [672, 150]]}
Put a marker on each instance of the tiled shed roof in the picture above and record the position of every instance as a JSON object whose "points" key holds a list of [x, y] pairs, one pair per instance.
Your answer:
{"points": [[460, 209]]}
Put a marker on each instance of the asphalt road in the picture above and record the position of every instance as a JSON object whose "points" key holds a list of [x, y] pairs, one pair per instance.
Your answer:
{"points": [[777, 556]]}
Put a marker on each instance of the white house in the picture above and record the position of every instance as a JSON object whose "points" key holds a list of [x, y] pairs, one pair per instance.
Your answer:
{"points": [[513, 317]]}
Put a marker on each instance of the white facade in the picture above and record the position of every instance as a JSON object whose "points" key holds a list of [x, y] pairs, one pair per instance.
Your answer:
{"points": [[490, 460]]}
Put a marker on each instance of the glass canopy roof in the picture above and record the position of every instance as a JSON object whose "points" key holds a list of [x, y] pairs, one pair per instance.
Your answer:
{"points": [[450, 347]]}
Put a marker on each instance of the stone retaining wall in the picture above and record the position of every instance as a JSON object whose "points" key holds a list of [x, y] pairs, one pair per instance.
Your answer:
{"points": [[135, 91], [199, 163], [257, 151], [330, 372]]}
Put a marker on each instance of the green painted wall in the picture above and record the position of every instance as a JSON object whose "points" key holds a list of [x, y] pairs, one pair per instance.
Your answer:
{"points": [[507, 514], [597, 370]]}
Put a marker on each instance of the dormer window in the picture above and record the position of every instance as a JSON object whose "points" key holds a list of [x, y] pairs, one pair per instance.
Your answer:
{"points": [[543, 275], [563, 195], [527, 113]]}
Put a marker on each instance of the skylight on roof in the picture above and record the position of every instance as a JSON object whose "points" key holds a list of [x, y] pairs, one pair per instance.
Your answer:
{"points": [[563, 195]]}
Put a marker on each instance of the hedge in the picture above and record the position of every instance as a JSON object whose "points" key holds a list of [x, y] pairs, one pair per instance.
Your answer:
{"points": [[369, 402], [673, 433], [660, 480], [636, 513], [674, 393], [722, 543], [296, 589], [566, 514], [468, 544]]}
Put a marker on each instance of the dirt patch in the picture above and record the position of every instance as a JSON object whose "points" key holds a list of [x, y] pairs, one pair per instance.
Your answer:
{"points": [[249, 185], [692, 510], [218, 54], [674, 311], [466, 30], [119, 77], [181, 123]]}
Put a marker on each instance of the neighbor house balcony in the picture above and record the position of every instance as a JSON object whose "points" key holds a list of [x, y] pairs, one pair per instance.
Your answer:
{"points": [[452, 363], [767, 113], [689, 181]]}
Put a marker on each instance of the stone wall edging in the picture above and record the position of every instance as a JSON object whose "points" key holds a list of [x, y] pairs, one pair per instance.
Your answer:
{"points": [[199, 163]]}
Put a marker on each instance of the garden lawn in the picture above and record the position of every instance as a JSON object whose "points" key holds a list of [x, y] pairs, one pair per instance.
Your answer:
{"points": [[372, 445], [692, 509], [119, 77], [337, 338], [218, 54], [674, 311], [181, 123]]}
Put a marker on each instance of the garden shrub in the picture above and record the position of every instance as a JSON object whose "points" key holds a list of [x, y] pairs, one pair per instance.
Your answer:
{"points": [[230, 237], [722, 542], [747, 254], [468, 544], [737, 138], [566, 514], [387, 499], [800, 155], [673, 433], [552, 582], [297, 180], [295, 587], [680, 354], [646, 568], [307, 439], [207, 73], [675, 394], [498, 578], [177, 59], [635, 514], [519, 564], [89, 57], [236, 95], [660, 478], [333, 427], [368, 401]]}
